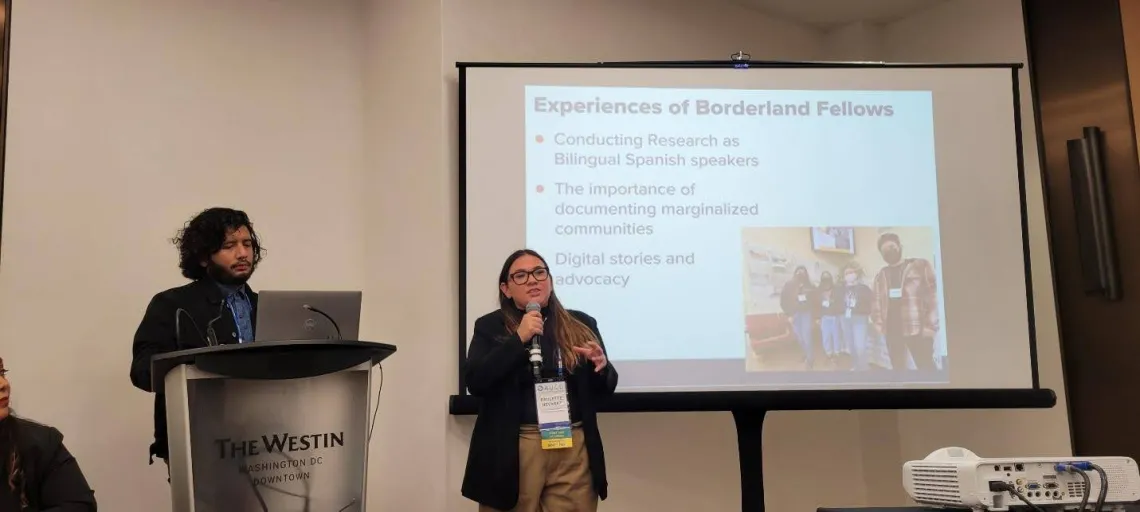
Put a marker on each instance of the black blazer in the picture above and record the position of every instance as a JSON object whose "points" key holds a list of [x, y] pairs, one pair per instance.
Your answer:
{"points": [[204, 301], [864, 298], [53, 481], [496, 369], [790, 301]]}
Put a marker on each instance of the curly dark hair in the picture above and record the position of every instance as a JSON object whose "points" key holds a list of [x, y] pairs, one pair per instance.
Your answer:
{"points": [[204, 235]]}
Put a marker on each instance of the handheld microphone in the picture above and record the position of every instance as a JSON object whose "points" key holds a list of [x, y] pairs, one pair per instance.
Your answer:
{"points": [[535, 345], [326, 315], [178, 327], [211, 336]]}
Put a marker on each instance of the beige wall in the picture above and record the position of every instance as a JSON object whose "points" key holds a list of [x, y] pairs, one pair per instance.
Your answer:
{"points": [[858, 41], [994, 35], [989, 31], [333, 123], [127, 117]]}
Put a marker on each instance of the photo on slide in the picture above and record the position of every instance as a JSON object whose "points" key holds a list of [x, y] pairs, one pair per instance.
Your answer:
{"points": [[819, 298]]}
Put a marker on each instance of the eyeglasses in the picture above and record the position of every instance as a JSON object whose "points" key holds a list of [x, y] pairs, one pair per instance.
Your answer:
{"points": [[522, 276]]}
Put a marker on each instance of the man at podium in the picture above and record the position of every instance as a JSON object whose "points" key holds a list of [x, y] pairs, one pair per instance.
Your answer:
{"points": [[218, 251]]}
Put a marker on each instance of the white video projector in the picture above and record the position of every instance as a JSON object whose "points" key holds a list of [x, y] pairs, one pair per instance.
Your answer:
{"points": [[956, 478]]}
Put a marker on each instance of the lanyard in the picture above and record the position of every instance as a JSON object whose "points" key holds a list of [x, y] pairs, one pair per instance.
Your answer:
{"points": [[558, 361], [558, 358]]}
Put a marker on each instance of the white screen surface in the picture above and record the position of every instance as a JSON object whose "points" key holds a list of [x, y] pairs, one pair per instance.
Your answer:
{"points": [[674, 205]]}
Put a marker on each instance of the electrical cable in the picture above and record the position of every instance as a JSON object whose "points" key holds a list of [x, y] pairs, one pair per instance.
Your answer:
{"points": [[1087, 486], [377, 409], [1003, 486], [1082, 468], [1103, 495]]}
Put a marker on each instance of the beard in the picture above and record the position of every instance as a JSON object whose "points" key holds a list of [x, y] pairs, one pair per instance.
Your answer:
{"points": [[892, 256], [227, 276]]}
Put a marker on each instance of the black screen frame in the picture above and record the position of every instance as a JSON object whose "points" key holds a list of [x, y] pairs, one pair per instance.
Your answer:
{"points": [[462, 403]]}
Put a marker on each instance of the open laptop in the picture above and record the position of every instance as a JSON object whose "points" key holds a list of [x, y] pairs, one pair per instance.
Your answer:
{"points": [[296, 315]]}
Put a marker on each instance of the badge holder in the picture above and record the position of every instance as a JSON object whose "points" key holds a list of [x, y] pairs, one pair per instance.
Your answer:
{"points": [[553, 405]]}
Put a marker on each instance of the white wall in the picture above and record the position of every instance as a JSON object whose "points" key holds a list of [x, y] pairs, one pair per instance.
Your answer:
{"points": [[127, 117], [990, 31], [333, 123], [973, 31], [857, 41], [411, 254]]}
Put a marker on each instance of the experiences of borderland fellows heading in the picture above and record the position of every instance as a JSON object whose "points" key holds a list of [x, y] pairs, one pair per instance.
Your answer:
{"points": [[703, 107]]}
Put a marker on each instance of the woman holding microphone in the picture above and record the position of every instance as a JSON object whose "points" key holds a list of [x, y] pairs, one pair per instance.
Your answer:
{"points": [[540, 370]]}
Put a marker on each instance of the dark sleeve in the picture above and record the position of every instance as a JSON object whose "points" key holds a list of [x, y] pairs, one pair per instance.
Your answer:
{"points": [[154, 336], [864, 300], [788, 299], [63, 488], [605, 381], [491, 358]]}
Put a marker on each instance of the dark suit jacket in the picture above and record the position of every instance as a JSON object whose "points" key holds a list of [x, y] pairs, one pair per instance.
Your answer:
{"points": [[53, 481], [203, 302], [497, 366]]}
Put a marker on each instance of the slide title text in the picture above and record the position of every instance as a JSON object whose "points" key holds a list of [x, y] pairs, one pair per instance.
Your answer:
{"points": [[701, 107]]}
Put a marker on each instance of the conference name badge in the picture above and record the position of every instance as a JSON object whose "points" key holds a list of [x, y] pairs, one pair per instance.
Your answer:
{"points": [[553, 414], [895, 293]]}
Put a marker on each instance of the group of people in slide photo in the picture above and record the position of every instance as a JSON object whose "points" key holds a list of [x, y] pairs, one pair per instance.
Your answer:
{"points": [[848, 318]]}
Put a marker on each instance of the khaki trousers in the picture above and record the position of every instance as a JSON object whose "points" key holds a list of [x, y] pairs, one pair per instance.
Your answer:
{"points": [[553, 480]]}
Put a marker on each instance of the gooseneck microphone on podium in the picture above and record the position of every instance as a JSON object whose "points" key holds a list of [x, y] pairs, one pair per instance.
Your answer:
{"points": [[327, 316], [211, 335], [178, 313], [535, 345]]}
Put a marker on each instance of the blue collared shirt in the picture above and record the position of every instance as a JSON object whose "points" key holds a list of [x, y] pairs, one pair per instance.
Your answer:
{"points": [[242, 309]]}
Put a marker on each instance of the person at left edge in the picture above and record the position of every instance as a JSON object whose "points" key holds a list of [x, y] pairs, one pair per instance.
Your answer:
{"points": [[37, 472], [218, 251], [508, 468]]}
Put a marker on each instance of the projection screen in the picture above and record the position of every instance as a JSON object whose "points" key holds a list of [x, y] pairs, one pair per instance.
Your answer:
{"points": [[799, 228]]}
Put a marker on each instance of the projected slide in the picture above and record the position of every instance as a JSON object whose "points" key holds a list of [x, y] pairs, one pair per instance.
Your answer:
{"points": [[642, 198], [792, 234]]}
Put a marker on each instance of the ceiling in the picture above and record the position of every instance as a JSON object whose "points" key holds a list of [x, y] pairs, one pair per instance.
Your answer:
{"points": [[831, 13]]}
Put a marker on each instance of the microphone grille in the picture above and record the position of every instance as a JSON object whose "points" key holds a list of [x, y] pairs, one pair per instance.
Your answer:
{"points": [[533, 306]]}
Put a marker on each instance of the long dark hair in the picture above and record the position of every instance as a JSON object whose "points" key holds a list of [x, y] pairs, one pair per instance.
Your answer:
{"points": [[13, 469], [569, 332]]}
